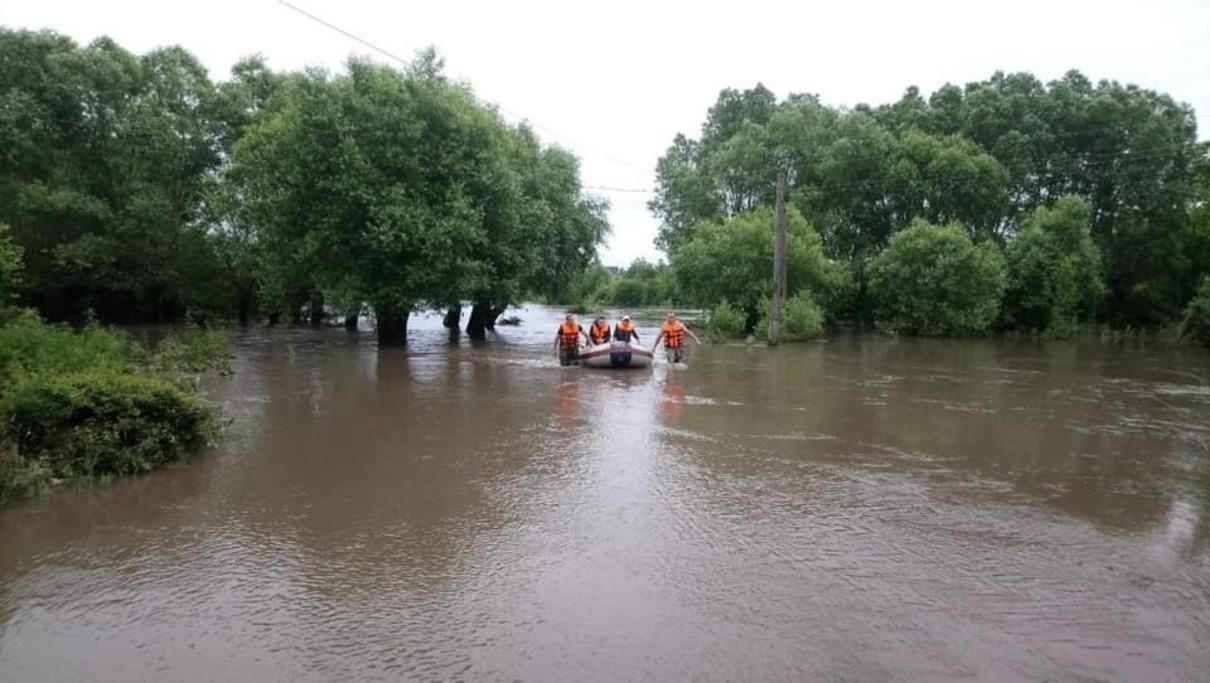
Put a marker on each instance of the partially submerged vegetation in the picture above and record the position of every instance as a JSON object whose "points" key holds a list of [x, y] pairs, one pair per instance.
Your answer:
{"points": [[1068, 205], [91, 403]]}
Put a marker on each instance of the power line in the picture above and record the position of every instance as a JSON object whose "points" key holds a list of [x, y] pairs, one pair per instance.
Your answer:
{"points": [[386, 53]]}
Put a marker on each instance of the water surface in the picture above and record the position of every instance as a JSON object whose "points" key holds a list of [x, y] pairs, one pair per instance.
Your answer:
{"points": [[860, 509]]}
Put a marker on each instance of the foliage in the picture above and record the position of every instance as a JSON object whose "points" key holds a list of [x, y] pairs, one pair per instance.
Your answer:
{"points": [[194, 352], [802, 318], [400, 189], [1054, 270], [102, 421], [732, 261], [986, 155], [102, 176], [30, 347], [86, 403], [726, 322], [20, 477], [10, 267], [933, 280], [1196, 323]]}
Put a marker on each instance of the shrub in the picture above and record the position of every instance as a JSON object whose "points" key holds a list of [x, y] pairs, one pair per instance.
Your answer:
{"points": [[29, 346], [194, 351], [933, 280], [20, 477], [726, 322], [733, 261], [1054, 270], [10, 266], [1196, 323], [801, 319], [102, 421]]}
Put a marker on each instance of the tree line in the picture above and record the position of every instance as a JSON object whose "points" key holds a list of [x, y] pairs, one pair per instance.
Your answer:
{"points": [[1008, 203], [140, 191]]}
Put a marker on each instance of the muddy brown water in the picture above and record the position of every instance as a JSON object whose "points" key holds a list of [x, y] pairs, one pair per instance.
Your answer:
{"points": [[864, 509]]}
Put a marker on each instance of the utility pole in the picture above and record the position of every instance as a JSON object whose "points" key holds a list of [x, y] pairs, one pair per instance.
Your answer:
{"points": [[779, 262]]}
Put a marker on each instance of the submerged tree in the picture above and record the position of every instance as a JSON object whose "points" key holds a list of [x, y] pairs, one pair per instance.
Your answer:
{"points": [[1055, 276], [932, 280]]}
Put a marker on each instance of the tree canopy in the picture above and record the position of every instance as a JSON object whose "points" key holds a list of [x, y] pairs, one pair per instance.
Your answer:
{"points": [[141, 190], [984, 156]]}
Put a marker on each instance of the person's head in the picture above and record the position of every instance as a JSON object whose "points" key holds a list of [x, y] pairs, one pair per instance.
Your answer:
{"points": [[671, 315], [570, 318], [601, 319], [625, 318]]}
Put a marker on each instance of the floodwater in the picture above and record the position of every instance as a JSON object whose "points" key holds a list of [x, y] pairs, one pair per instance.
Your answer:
{"points": [[864, 509]]}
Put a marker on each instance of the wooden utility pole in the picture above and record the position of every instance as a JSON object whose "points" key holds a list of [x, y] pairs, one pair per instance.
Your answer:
{"points": [[779, 262]]}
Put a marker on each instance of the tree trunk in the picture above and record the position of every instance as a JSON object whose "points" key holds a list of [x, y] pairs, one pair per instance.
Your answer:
{"points": [[453, 317], [493, 315], [351, 321], [316, 312], [476, 325], [392, 326]]}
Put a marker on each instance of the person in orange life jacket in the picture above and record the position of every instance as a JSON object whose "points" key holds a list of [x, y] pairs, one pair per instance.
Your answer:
{"points": [[599, 332], [624, 331], [567, 340], [673, 333]]}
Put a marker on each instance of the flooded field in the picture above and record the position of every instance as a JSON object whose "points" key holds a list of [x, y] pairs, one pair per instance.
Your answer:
{"points": [[859, 509]]}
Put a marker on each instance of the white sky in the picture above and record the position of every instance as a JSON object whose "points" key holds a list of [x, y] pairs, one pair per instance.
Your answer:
{"points": [[615, 81]]}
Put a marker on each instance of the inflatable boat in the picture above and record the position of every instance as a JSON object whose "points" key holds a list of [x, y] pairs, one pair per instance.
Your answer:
{"points": [[616, 355]]}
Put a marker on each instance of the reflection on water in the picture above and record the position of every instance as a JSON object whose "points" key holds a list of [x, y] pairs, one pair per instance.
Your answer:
{"points": [[861, 509]]}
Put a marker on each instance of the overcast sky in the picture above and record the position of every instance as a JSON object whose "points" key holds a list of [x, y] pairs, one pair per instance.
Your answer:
{"points": [[614, 82]]}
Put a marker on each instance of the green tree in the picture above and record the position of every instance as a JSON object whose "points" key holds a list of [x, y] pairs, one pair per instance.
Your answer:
{"points": [[932, 280], [1055, 275], [10, 267], [732, 261], [103, 190]]}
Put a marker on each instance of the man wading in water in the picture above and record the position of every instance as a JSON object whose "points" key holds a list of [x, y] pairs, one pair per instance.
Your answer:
{"points": [[673, 333], [567, 340]]}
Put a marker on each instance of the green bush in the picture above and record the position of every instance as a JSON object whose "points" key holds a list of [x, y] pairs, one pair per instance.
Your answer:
{"points": [[1196, 323], [733, 261], [29, 346], [194, 351], [933, 280], [102, 421], [726, 322], [20, 477], [10, 267], [801, 319], [1054, 270]]}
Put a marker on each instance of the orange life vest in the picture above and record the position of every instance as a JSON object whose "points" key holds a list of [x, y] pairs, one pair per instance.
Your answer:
{"points": [[624, 331], [599, 333], [674, 334], [570, 333]]}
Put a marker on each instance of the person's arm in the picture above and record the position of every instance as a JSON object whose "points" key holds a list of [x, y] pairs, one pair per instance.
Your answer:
{"points": [[658, 337], [635, 333], [558, 338], [587, 339], [691, 334]]}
